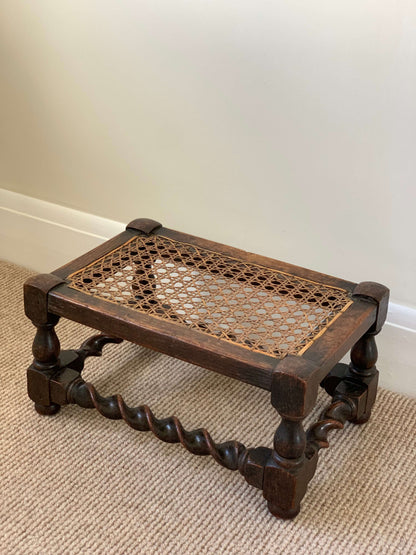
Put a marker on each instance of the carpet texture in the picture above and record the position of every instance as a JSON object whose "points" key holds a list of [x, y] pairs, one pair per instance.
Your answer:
{"points": [[79, 483]]}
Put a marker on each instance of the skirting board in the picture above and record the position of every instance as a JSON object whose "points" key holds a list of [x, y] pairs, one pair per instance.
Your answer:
{"points": [[33, 231]]}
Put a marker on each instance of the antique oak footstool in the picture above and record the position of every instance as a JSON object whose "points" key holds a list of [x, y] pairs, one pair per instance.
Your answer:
{"points": [[273, 325]]}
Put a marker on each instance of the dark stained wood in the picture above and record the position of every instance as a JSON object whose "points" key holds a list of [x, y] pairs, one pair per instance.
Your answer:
{"points": [[333, 418], [363, 368], [170, 430], [46, 345], [164, 336], [283, 472], [196, 347], [287, 471], [377, 293], [145, 225], [35, 290], [358, 381], [290, 439], [45, 349], [364, 356], [295, 386], [285, 479], [341, 335], [253, 463]]}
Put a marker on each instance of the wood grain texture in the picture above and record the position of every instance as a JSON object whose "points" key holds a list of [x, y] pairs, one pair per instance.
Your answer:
{"points": [[165, 337]]}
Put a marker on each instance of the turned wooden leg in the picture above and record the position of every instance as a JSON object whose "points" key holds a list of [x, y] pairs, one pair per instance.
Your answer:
{"points": [[288, 471], [45, 350], [46, 346], [363, 368], [286, 477]]}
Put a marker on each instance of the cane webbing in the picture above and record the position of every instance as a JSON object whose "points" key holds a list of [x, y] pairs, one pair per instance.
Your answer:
{"points": [[251, 305]]}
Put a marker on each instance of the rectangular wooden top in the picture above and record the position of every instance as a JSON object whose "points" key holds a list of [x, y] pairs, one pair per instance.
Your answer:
{"points": [[212, 305]]}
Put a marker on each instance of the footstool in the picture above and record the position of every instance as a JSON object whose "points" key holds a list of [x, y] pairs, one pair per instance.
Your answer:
{"points": [[273, 325]]}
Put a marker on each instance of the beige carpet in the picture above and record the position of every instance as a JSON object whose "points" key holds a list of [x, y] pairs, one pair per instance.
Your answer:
{"points": [[78, 483]]}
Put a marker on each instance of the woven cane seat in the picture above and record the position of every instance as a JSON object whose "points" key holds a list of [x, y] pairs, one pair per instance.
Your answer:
{"points": [[254, 306]]}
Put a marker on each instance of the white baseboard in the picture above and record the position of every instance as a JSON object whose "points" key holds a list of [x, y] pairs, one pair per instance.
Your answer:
{"points": [[33, 232]]}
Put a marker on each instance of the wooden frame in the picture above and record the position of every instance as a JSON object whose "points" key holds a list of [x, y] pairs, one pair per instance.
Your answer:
{"points": [[54, 378]]}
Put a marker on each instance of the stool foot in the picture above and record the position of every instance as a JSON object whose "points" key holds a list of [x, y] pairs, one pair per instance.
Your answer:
{"points": [[47, 410], [286, 514], [287, 471], [285, 483]]}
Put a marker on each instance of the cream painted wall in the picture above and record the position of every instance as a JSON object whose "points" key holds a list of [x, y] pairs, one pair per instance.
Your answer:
{"points": [[286, 128]]}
